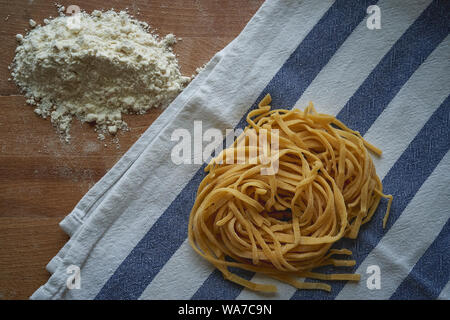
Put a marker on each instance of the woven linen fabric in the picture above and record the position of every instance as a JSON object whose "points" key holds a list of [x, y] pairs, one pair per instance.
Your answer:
{"points": [[128, 234]]}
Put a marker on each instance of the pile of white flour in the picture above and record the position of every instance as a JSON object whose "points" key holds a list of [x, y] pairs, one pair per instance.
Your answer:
{"points": [[95, 67]]}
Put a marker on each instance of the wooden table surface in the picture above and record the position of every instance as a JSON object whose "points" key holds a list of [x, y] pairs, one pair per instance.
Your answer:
{"points": [[42, 178]]}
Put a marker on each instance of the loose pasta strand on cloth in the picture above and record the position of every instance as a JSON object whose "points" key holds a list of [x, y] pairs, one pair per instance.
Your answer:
{"points": [[283, 224]]}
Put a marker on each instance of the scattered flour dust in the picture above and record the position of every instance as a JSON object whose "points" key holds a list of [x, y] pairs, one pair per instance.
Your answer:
{"points": [[95, 67]]}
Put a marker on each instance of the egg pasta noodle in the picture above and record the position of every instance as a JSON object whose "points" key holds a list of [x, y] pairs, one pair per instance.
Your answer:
{"points": [[284, 224]]}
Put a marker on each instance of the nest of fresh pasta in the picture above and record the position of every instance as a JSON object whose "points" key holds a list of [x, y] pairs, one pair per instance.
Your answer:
{"points": [[292, 185]]}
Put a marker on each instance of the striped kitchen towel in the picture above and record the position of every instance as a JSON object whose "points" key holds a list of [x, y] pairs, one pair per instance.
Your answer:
{"points": [[382, 67]]}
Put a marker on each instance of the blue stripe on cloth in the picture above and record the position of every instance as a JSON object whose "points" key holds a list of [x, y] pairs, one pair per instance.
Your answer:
{"points": [[287, 87], [396, 67], [431, 273], [402, 181], [170, 230]]}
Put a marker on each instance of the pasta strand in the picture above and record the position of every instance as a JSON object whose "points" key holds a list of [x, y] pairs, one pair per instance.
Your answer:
{"points": [[283, 224]]}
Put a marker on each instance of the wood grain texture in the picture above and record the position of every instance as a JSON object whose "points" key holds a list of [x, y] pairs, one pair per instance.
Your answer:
{"points": [[42, 178]]}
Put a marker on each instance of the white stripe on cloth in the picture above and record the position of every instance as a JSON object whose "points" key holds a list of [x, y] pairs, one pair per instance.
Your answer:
{"points": [[362, 51], [445, 293], [193, 275], [411, 108], [356, 58], [72, 223]]}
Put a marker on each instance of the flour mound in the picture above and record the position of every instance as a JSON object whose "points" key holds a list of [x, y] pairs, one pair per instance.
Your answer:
{"points": [[96, 67]]}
